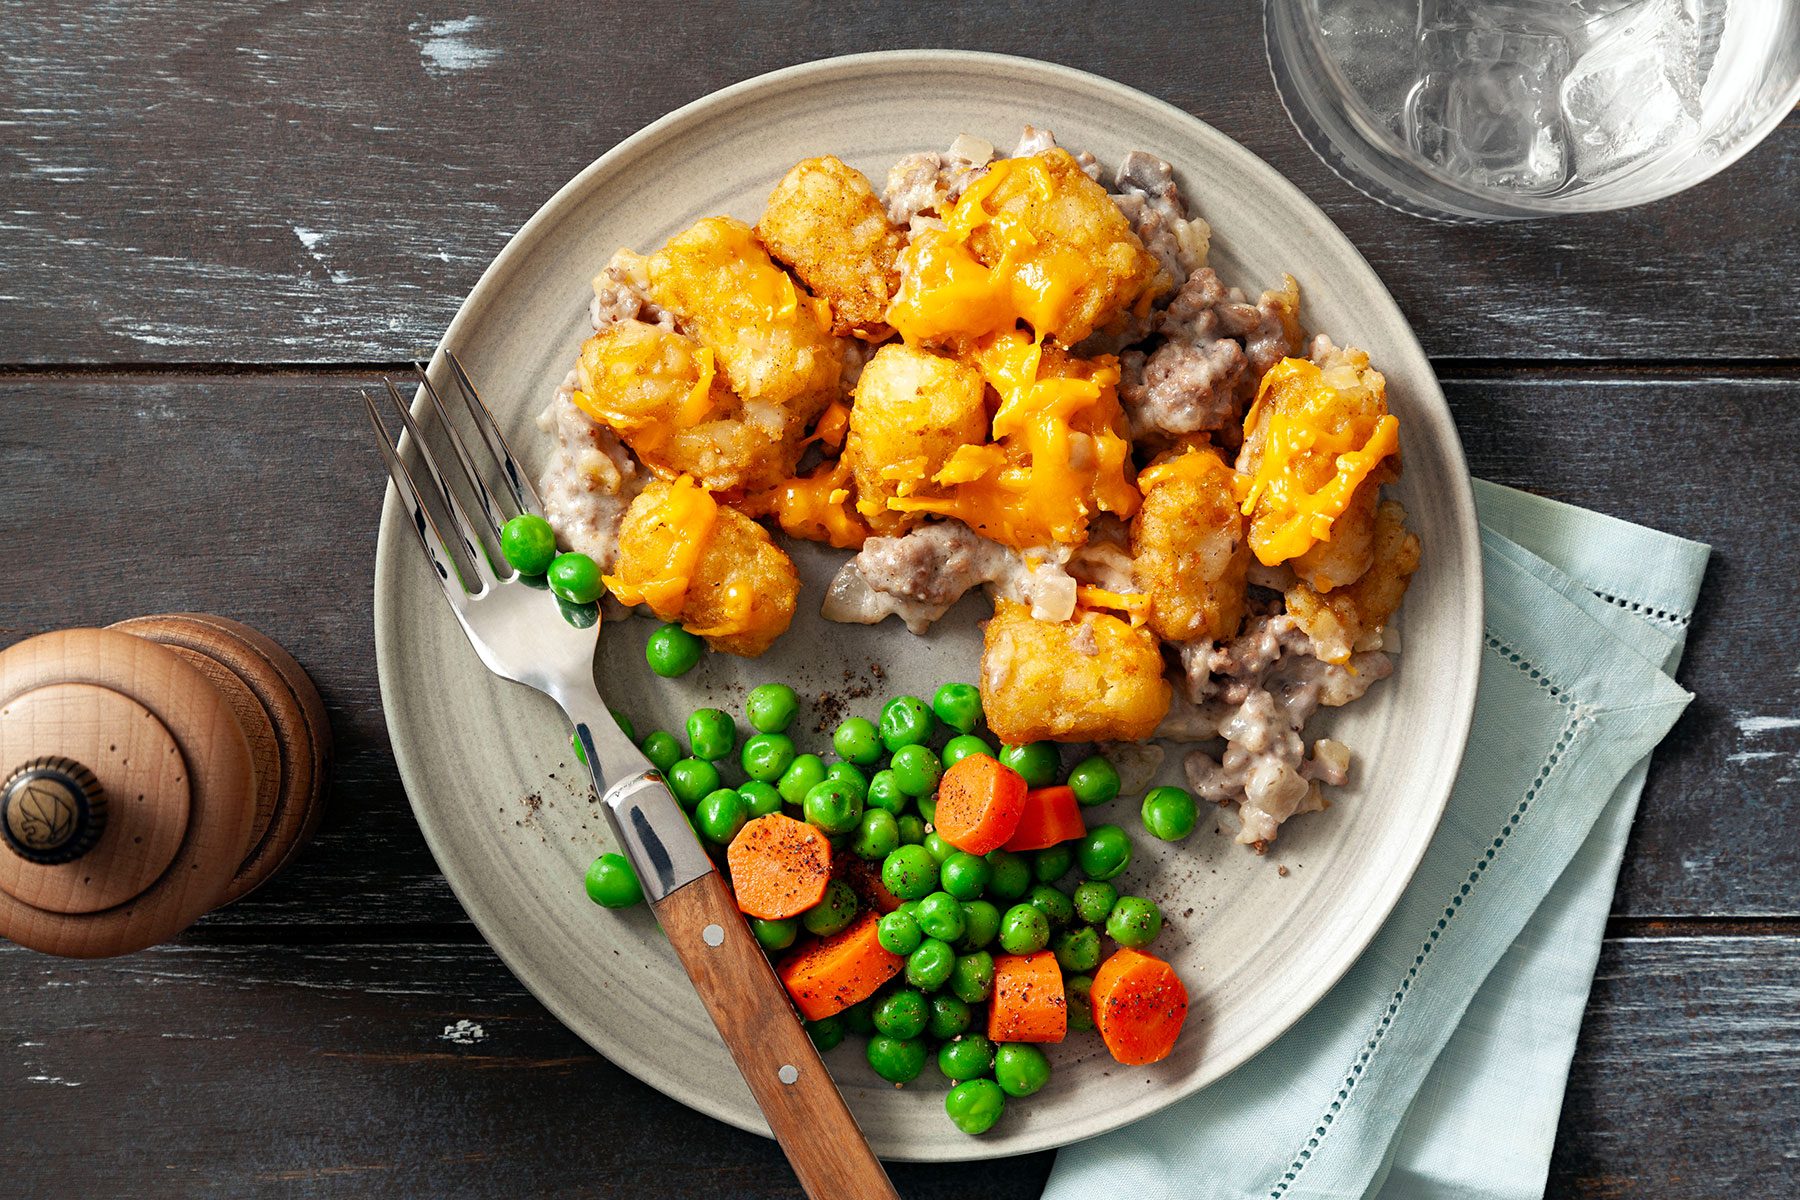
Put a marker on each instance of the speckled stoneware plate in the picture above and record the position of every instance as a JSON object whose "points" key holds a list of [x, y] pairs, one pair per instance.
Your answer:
{"points": [[507, 810]]}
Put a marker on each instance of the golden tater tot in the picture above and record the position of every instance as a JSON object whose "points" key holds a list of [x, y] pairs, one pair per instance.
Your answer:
{"points": [[1093, 678], [771, 340], [1188, 547], [739, 590], [1078, 233], [661, 394], [825, 221], [1342, 621], [1334, 444], [912, 411]]}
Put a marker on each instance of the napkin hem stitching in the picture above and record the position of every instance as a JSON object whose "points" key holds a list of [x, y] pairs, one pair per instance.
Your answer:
{"points": [[1580, 718], [1639, 608]]}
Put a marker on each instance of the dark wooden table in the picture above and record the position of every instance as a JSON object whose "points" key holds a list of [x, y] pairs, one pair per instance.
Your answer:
{"points": [[217, 220]]}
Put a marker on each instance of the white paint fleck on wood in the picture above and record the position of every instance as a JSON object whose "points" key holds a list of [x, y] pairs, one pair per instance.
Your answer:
{"points": [[463, 1033], [445, 46]]}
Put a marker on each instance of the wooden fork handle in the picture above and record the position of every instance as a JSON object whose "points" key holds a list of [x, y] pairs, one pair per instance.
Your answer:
{"points": [[798, 1098]]}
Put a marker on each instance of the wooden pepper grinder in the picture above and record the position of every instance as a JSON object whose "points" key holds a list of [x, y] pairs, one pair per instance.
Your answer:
{"points": [[149, 773]]}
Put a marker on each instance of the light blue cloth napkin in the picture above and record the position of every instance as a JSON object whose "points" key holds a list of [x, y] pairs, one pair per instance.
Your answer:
{"points": [[1436, 1067]]}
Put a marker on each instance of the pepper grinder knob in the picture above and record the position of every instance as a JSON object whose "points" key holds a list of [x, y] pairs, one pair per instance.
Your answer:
{"points": [[52, 810]]}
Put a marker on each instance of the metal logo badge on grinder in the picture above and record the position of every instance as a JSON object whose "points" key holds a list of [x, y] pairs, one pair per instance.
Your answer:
{"points": [[52, 810]]}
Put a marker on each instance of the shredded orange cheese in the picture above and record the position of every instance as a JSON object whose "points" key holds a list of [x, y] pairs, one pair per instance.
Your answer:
{"points": [[678, 539], [816, 507], [740, 599], [1291, 518], [1135, 605]]}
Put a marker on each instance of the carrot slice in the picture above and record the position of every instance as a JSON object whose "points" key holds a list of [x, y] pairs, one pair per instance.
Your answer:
{"points": [[979, 802], [829, 976], [1051, 815], [1028, 1003], [864, 878], [1139, 1006], [779, 867]]}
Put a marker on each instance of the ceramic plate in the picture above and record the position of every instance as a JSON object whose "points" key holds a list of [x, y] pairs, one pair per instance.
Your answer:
{"points": [[508, 813]]}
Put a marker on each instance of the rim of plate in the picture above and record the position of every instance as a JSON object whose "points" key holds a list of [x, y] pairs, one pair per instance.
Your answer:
{"points": [[391, 558]]}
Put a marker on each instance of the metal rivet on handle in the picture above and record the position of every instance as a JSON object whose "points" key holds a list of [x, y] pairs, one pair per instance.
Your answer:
{"points": [[713, 935], [788, 1073]]}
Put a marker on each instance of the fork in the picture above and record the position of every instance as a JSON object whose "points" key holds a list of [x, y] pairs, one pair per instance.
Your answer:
{"points": [[520, 633]]}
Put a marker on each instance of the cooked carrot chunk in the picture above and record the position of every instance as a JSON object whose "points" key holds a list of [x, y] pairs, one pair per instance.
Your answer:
{"points": [[779, 867], [1139, 1006], [1051, 815], [829, 976], [1028, 1003], [979, 802]]}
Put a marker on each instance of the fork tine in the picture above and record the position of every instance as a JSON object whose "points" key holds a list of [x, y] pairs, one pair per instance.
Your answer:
{"points": [[443, 565], [471, 541], [490, 506], [517, 482]]}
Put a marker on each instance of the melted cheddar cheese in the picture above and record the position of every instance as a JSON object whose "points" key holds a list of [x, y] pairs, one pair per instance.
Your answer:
{"points": [[1311, 423], [816, 507], [681, 534]]}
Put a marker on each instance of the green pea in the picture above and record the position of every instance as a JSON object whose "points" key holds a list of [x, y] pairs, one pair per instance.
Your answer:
{"points": [[958, 705], [720, 814], [981, 925], [625, 727], [662, 749], [972, 979], [1134, 921], [1078, 949], [939, 849], [902, 1014], [528, 543], [929, 967], [851, 776], [974, 1105], [760, 798], [940, 915], [1054, 903], [910, 873], [912, 830], [897, 1060], [691, 779], [1170, 813], [1053, 862], [574, 577], [806, 772], [859, 1018], [1020, 1068], [965, 876], [833, 807], [885, 793], [770, 707], [611, 882], [968, 1057], [774, 935], [1024, 930], [949, 1017], [1094, 900], [1104, 853], [927, 807], [877, 836], [1010, 874], [962, 746], [905, 721], [673, 651], [575, 745], [712, 733], [767, 756], [1037, 762], [855, 741], [833, 913], [917, 769], [1078, 997], [898, 932], [1094, 781], [827, 1033]]}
